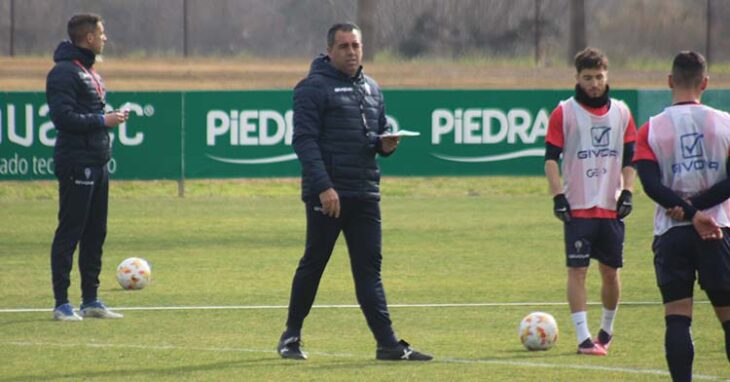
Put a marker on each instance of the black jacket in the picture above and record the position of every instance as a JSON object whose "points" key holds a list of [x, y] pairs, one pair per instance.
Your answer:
{"points": [[77, 109], [337, 120]]}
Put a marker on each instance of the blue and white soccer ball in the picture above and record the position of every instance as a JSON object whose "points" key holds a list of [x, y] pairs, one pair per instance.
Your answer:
{"points": [[134, 273], [538, 331]]}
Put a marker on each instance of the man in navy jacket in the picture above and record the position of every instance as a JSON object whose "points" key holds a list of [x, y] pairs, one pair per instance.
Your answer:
{"points": [[339, 120], [76, 98]]}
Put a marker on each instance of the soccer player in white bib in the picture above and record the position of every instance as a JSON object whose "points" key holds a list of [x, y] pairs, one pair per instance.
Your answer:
{"points": [[682, 157], [595, 135]]}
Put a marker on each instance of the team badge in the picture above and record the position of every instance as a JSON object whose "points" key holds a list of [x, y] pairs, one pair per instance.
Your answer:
{"points": [[87, 172], [578, 245]]}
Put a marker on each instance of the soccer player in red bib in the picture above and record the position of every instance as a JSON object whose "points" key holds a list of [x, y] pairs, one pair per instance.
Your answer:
{"points": [[682, 156], [595, 135]]}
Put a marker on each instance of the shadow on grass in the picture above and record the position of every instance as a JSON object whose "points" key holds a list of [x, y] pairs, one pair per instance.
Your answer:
{"points": [[143, 373], [519, 354], [360, 364], [507, 356], [118, 289], [14, 322]]}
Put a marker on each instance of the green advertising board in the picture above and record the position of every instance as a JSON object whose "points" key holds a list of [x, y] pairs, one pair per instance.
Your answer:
{"points": [[473, 132], [26, 137], [463, 132], [147, 146], [652, 102], [240, 134]]}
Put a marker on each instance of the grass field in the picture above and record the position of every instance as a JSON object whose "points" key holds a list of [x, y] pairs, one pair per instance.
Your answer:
{"points": [[464, 260]]}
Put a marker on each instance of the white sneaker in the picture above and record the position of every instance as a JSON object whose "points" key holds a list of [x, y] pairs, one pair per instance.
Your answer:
{"points": [[66, 312], [97, 309]]}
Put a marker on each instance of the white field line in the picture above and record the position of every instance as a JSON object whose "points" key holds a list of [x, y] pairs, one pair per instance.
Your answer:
{"points": [[340, 306], [608, 369]]}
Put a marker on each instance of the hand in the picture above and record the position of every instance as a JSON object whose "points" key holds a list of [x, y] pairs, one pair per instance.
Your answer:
{"points": [[677, 212], [624, 204], [561, 208], [116, 117], [706, 227], [389, 144], [330, 202]]}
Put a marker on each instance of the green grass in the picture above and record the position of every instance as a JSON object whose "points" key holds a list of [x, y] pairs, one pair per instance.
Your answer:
{"points": [[231, 243]]}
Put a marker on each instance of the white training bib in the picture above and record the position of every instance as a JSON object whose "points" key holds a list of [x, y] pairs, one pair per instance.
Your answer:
{"points": [[593, 152], [691, 144]]}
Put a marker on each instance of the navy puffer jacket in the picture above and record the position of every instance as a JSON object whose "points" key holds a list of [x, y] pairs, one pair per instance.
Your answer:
{"points": [[77, 109], [337, 120]]}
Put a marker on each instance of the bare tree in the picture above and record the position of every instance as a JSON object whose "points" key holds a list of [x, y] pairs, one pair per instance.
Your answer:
{"points": [[577, 28], [708, 35], [366, 20], [628, 31], [185, 27], [12, 28], [539, 57]]}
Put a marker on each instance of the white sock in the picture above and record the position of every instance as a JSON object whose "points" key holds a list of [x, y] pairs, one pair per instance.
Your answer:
{"points": [[607, 320], [580, 320]]}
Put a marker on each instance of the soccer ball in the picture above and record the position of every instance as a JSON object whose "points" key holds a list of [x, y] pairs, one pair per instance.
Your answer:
{"points": [[538, 331], [133, 273]]}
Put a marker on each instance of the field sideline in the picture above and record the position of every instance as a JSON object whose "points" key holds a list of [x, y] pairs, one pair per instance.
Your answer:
{"points": [[464, 260]]}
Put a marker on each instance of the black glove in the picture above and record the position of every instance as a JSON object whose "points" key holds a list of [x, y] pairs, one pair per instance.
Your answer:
{"points": [[624, 204], [561, 208]]}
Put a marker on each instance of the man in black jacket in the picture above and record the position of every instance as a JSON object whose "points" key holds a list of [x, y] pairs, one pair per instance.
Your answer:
{"points": [[76, 98], [339, 122]]}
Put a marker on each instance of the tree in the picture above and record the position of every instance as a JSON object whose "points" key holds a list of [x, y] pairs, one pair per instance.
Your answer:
{"points": [[577, 28], [366, 21]]}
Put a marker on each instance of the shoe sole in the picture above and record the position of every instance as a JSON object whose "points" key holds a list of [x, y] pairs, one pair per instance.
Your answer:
{"points": [[403, 359], [592, 353], [400, 358], [98, 314], [293, 356], [67, 318]]}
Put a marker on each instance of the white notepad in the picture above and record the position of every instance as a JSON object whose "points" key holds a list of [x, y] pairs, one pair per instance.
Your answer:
{"points": [[401, 133]]}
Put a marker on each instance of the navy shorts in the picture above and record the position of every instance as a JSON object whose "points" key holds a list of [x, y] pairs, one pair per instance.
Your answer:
{"points": [[681, 257], [600, 239]]}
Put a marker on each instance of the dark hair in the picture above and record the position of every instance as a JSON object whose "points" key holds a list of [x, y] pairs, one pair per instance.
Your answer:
{"points": [[82, 24], [345, 27], [689, 69], [590, 58]]}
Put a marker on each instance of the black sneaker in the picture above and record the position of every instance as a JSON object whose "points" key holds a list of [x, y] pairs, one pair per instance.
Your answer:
{"points": [[291, 348], [401, 352]]}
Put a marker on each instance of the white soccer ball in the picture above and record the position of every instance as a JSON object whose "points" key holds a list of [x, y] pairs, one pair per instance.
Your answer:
{"points": [[538, 331], [134, 273]]}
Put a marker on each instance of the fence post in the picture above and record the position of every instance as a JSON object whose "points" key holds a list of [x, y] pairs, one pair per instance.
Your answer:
{"points": [[708, 35], [12, 28], [185, 28], [538, 32], [367, 19], [181, 181], [578, 39]]}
